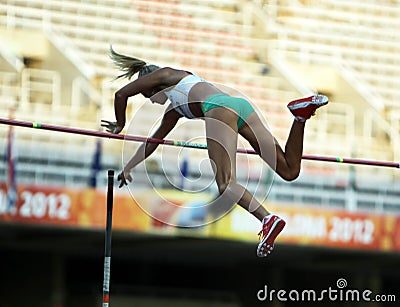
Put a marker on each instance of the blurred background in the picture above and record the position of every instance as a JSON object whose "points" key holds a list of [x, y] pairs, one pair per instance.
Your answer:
{"points": [[343, 221]]}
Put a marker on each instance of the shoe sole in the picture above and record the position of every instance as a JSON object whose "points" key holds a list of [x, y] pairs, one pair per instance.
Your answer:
{"points": [[263, 248], [294, 105]]}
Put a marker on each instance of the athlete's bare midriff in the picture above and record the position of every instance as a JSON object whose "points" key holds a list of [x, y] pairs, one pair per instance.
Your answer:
{"points": [[199, 93]]}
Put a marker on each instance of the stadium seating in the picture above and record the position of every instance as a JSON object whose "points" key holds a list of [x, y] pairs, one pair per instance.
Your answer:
{"points": [[212, 39], [360, 33]]}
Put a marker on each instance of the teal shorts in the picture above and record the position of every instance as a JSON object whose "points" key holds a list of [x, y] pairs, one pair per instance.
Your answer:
{"points": [[240, 105]]}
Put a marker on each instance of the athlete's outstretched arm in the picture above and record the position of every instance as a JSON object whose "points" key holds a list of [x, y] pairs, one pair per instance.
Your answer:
{"points": [[168, 123], [147, 85]]}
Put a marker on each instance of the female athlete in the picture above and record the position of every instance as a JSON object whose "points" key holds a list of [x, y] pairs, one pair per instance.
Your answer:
{"points": [[225, 117]]}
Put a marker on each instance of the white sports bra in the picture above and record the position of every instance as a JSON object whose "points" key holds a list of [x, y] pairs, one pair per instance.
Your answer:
{"points": [[179, 94]]}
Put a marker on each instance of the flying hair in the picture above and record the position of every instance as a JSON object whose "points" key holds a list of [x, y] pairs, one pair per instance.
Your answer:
{"points": [[130, 66]]}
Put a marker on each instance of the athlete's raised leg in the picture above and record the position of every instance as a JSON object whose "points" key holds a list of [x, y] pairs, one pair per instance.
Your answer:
{"points": [[288, 163]]}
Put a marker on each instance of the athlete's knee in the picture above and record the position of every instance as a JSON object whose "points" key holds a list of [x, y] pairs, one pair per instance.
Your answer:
{"points": [[290, 174]]}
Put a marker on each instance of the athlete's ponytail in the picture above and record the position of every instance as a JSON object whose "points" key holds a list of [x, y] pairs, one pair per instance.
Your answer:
{"points": [[130, 66]]}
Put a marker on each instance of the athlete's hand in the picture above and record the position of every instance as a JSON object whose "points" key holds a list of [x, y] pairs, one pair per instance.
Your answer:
{"points": [[111, 127], [123, 177]]}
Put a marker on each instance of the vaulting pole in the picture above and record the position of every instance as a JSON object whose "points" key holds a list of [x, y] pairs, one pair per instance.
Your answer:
{"points": [[108, 232]]}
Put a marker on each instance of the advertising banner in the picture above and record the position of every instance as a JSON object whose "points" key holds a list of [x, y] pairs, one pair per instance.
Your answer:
{"points": [[147, 212], [82, 208], [319, 227]]}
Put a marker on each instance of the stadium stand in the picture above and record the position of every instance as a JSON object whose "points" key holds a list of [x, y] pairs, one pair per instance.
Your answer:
{"points": [[353, 35], [343, 219], [69, 83]]}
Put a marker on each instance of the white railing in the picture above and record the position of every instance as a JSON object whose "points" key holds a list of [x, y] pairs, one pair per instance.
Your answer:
{"points": [[42, 85], [9, 89], [375, 125]]}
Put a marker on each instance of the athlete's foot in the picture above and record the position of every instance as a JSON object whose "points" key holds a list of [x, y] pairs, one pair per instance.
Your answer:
{"points": [[272, 225], [304, 108]]}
